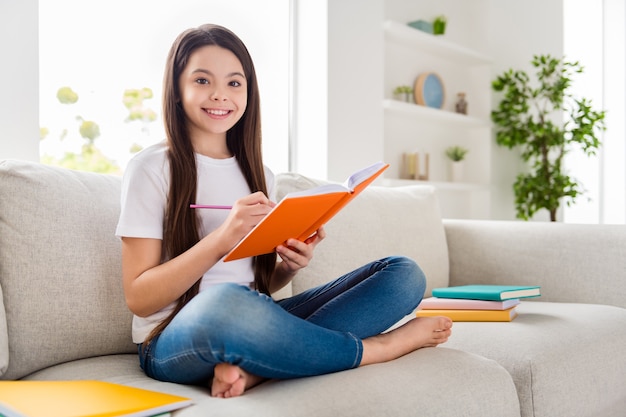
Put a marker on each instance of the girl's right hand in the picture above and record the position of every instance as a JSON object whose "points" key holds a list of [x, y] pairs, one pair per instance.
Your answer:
{"points": [[148, 283], [246, 213]]}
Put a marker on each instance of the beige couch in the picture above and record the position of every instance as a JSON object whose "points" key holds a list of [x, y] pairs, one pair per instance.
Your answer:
{"points": [[63, 314]]}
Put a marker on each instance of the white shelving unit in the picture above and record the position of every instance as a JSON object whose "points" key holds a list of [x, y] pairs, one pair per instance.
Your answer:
{"points": [[445, 185], [404, 34], [410, 127], [430, 114]]}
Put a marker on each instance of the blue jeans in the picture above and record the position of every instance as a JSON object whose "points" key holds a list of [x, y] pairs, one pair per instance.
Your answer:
{"points": [[316, 332]]}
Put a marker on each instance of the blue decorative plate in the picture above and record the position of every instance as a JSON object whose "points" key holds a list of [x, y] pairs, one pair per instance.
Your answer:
{"points": [[429, 90]]}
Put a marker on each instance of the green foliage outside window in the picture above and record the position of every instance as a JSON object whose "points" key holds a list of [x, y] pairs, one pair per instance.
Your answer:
{"points": [[91, 157]]}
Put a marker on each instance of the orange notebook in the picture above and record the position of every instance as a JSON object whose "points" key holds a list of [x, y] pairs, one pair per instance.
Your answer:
{"points": [[83, 399], [471, 315], [299, 214]]}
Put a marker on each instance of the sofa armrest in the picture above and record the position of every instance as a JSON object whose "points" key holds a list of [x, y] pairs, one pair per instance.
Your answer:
{"points": [[571, 262]]}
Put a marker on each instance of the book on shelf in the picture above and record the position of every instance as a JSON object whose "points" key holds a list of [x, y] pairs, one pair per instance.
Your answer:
{"points": [[299, 214], [487, 292], [82, 398], [470, 315], [435, 303]]}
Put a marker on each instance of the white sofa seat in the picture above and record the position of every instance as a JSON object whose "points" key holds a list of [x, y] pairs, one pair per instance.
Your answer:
{"points": [[566, 359], [418, 384]]}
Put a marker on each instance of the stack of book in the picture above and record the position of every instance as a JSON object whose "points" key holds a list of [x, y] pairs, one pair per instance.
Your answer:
{"points": [[476, 302]]}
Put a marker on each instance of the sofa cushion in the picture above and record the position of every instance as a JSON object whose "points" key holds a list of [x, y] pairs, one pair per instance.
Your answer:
{"points": [[566, 359], [60, 266], [360, 233], [571, 262]]}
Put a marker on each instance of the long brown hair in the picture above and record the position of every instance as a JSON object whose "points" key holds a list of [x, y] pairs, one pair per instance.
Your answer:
{"points": [[243, 140]]}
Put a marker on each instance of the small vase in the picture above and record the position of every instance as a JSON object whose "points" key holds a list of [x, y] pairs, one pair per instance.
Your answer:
{"points": [[461, 104], [439, 27], [405, 97], [456, 171]]}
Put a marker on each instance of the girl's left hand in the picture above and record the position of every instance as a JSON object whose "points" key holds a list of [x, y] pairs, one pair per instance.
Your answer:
{"points": [[295, 254]]}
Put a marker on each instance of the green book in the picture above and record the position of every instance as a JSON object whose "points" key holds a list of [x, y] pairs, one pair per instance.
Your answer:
{"points": [[487, 292]]}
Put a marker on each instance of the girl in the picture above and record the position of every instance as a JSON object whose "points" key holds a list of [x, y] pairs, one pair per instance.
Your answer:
{"points": [[198, 320]]}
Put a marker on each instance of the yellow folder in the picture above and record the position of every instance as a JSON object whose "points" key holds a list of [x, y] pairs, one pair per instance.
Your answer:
{"points": [[83, 399]]}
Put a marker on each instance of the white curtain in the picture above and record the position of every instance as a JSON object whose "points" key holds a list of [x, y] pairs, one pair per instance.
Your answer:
{"points": [[595, 35]]}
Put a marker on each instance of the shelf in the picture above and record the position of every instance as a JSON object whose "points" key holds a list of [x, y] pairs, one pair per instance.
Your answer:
{"points": [[435, 45], [430, 113], [408, 125], [441, 185]]}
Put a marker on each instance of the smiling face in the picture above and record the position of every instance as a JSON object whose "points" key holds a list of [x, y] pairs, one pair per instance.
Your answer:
{"points": [[213, 94]]}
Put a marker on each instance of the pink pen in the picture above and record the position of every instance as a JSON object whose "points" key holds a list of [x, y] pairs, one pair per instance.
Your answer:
{"points": [[205, 206]]}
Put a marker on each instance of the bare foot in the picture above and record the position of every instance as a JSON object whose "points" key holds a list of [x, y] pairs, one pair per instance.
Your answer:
{"points": [[231, 381], [418, 333]]}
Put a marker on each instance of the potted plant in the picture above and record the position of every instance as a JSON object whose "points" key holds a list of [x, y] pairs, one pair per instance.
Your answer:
{"points": [[456, 154], [439, 25], [403, 93], [528, 117]]}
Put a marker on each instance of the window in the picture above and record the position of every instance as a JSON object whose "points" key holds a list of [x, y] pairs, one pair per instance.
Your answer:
{"points": [[600, 48], [108, 59]]}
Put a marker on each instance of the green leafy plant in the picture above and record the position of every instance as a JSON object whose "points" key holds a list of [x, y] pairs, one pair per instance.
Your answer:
{"points": [[403, 89], [528, 118], [456, 153], [403, 93]]}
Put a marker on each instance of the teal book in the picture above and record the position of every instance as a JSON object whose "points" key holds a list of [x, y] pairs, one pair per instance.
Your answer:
{"points": [[487, 292]]}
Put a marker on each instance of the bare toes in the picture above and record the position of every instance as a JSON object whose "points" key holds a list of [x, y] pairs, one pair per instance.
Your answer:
{"points": [[225, 378]]}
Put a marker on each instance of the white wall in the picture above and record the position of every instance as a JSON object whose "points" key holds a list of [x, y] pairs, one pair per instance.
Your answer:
{"points": [[19, 80], [338, 116], [355, 85]]}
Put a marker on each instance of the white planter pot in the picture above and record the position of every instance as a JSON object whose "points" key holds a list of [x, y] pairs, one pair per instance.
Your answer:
{"points": [[456, 171]]}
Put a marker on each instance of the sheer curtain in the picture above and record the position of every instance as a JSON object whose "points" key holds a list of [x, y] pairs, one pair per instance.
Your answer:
{"points": [[595, 35]]}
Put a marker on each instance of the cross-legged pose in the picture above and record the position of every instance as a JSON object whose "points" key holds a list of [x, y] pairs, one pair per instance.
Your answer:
{"points": [[199, 320]]}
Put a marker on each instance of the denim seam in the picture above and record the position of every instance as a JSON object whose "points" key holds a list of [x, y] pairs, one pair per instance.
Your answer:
{"points": [[359, 351], [334, 285], [316, 296]]}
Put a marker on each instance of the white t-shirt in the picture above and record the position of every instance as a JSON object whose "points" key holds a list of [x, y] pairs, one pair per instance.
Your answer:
{"points": [[145, 187]]}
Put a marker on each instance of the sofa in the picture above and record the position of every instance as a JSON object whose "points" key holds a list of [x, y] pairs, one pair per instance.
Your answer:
{"points": [[63, 315]]}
